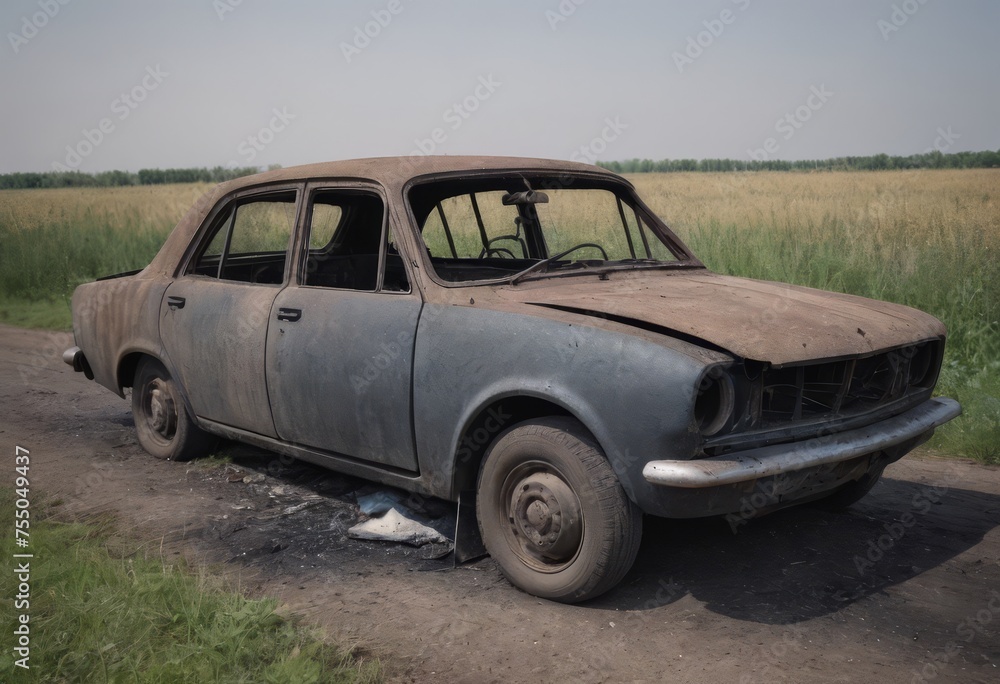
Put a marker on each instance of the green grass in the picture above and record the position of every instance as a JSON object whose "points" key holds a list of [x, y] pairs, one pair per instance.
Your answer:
{"points": [[53, 240], [49, 261], [44, 314], [103, 611]]}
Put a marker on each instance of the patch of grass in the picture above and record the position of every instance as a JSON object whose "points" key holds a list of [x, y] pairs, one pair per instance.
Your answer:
{"points": [[43, 314], [217, 459], [101, 611], [53, 240], [976, 433]]}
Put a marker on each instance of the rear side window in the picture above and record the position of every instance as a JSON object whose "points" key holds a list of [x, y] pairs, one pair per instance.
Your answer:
{"points": [[347, 244], [249, 242]]}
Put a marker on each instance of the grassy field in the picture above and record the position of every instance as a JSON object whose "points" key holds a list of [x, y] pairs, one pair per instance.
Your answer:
{"points": [[53, 240], [928, 239], [103, 610]]}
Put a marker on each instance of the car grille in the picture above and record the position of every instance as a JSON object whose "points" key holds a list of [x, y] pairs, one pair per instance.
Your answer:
{"points": [[845, 387]]}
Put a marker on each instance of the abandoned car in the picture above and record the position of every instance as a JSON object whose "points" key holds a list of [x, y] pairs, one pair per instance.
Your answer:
{"points": [[522, 336]]}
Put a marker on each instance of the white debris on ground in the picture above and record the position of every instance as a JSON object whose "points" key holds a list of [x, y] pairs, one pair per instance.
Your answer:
{"points": [[379, 502], [397, 527]]}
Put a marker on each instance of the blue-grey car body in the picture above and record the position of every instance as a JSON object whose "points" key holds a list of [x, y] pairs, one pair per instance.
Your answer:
{"points": [[410, 388]]}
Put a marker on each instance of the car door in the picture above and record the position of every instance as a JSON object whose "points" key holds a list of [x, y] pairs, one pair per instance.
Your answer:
{"points": [[214, 316], [340, 340]]}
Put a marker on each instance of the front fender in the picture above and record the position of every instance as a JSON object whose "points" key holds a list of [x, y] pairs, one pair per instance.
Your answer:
{"points": [[635, 393]]}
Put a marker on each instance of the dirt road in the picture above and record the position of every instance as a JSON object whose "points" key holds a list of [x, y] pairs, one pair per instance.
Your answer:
{"points": [[904, 587]]}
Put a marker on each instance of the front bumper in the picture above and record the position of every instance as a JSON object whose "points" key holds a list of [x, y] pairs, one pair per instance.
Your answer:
{"points": [[754, 464]]}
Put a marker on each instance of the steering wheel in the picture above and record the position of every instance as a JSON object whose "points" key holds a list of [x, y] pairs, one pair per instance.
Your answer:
{"points": [[499, 251], [569, 251], [488, 249]]}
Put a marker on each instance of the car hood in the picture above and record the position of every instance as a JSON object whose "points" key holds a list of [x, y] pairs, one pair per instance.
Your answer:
{"points": [[765, 321]]}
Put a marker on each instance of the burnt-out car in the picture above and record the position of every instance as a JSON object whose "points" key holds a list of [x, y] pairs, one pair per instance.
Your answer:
{"points": [[522, 334]]}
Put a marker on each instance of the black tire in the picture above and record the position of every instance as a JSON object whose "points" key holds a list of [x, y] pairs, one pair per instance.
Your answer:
{"points": [[850, 493], [552, 513], [162, 423]]}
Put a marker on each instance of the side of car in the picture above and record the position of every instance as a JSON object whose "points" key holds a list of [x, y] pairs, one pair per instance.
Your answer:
{"points": [[291, 322], [403, 327]]}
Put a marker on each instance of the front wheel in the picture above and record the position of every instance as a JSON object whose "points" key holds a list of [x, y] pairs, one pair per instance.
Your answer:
{"points": [[553, 514], [852, 492], [162, 423]]}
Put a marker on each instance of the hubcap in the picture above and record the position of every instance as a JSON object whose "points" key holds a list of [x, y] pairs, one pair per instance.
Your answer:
{"points": [[162, 411], [545, 517]]}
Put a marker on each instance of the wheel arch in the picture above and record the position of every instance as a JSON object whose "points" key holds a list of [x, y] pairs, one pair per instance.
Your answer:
{"points": [[129, 362], [494, 416]]}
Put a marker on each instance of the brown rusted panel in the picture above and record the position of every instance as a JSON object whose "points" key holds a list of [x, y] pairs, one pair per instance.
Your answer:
{"points": [[113, 318], [773, 322]]}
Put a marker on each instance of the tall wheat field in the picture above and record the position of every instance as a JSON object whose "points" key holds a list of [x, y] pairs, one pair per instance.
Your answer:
{"points": [[927, 239]]}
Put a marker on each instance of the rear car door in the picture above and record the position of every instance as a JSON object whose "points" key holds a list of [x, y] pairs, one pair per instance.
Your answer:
{"points": [[340, 341], [214, 317]]}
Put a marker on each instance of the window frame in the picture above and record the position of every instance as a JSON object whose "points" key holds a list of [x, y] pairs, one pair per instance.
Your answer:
{"points": [[222, 211], [562, 179], [301, 247]]}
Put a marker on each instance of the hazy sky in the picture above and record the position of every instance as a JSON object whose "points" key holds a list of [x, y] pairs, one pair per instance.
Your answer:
{"points": [[129, 85]]}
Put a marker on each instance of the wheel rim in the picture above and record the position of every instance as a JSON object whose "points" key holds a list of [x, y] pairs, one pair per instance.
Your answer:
{"points": [[544, 518], [160, 410]]}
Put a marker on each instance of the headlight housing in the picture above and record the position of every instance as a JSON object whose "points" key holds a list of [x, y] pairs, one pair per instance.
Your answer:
{"points": [[715, 400]]}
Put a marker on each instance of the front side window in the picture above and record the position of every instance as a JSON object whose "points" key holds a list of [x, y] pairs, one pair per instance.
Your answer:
{"points": [[519, 227], [249, 241]]}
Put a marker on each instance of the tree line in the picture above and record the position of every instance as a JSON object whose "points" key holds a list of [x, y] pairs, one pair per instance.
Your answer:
{"points": [[107, 179], [877, 162]]}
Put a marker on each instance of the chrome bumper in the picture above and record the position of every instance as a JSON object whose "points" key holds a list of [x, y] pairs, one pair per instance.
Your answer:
{"points": [[765, 461]]}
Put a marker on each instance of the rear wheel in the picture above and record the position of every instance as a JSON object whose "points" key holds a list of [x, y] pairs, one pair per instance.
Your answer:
{"points": [[162, 423], [553, 514]]}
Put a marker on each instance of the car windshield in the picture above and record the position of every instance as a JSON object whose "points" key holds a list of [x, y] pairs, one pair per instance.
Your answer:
{"points": [[517, 227]]}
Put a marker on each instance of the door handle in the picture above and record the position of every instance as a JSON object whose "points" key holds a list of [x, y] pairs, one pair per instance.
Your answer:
{"points": [[290, 315], [176, 302]]}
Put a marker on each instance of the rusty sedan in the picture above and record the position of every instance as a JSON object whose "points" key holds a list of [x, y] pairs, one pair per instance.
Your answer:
{"points": [[524, 337]]}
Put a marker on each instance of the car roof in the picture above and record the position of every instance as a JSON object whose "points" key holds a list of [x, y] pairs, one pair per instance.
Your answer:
{"points": [[391, 172], [394, 171]]}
